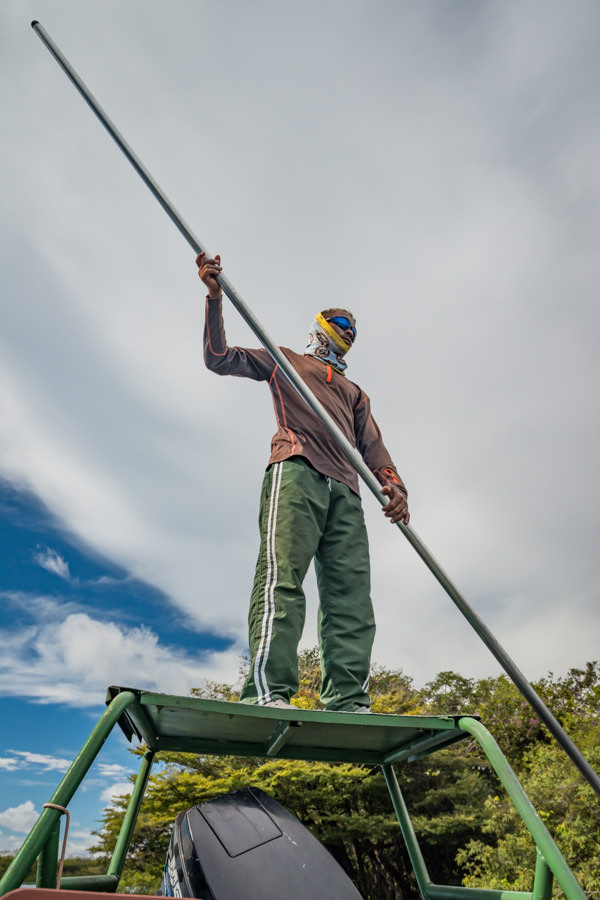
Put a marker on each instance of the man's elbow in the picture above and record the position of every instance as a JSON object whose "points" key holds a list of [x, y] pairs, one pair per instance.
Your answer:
{"points": [[215, 363]]}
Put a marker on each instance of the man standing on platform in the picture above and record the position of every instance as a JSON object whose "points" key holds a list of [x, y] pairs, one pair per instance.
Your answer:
{"points": [[310, 509]]}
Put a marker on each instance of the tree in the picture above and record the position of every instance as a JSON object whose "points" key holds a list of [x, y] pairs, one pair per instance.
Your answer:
{"points": [[569, 809], [504, 858]]}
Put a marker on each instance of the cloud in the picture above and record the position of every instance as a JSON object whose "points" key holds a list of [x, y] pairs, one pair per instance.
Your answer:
{"points": [[119, 789], [52, 562], [10, 843], [74, 660], [19, 818], [111, 770], [79, 841], [110, 581], [41, 760], [457, 192]]}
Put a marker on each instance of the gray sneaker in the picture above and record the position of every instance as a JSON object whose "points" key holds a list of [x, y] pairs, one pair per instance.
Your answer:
{"points": [[280, 704]]}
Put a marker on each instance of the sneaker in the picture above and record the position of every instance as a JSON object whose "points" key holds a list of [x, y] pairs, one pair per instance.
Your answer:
{"points": [[360, 709], [280, 704]]}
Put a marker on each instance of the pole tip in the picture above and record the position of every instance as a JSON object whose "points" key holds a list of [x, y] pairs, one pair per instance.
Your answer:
{"points": [[34, 23]]}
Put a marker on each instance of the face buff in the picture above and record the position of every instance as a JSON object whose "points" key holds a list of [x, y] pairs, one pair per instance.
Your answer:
{"points": [[326, 344]]}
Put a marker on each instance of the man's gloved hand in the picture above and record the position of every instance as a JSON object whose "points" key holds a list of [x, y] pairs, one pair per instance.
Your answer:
{"points": [[396, 508]]}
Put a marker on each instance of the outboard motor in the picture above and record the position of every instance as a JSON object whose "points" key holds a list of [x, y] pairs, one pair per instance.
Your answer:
{"points": [[246, 846]]}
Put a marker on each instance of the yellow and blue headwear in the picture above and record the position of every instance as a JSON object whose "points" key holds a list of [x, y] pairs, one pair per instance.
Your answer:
{"points": [[325, 343]]}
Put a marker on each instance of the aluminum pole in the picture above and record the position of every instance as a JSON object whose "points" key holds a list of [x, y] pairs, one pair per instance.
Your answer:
{"points": [[344, 445]]}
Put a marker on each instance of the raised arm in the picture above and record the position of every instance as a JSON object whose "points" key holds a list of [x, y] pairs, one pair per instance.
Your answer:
{"points": [[219, 357]]}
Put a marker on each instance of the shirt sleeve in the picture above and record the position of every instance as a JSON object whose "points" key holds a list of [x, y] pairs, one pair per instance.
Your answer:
{"points": [[369, 444], [219, 357]]}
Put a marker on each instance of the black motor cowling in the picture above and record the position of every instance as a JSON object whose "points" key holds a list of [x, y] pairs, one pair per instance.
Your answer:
{"points": [[246, 846]]}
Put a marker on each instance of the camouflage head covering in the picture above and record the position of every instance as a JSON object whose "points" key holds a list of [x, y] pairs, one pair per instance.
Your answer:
{"points": [[325, 343]]}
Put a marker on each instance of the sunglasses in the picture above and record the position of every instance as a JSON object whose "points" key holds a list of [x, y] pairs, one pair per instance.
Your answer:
{"points": [[343, 323]]}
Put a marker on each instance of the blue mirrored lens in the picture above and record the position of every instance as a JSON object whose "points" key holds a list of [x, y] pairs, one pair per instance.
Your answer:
{"points": [[344, 323]]}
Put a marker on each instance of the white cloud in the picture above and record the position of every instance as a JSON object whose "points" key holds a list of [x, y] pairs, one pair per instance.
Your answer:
{"points": [[9, 764], [9, 844], [111, 770], [119, 789], [19, 818], [73, 661], [79, 841], [53, 562], [45, 762], [41, 607]]}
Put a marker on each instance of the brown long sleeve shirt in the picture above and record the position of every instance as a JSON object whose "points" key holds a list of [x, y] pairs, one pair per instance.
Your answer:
{"points": [[299, 431]]}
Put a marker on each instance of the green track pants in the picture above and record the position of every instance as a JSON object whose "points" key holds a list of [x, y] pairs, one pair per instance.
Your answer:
{"points": [[304, 515]]}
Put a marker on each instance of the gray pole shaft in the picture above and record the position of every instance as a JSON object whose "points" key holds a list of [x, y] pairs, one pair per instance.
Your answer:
{"points": [[349, 451]]}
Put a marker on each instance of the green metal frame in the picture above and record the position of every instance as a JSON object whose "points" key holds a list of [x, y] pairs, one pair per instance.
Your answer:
{"points": [[189, 724]]}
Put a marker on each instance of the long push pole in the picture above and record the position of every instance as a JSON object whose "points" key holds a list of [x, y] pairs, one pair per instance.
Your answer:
{"points": [[347, 449]]}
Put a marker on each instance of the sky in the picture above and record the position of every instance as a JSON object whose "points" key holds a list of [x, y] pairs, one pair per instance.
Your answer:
{"points": [[432, 167]]}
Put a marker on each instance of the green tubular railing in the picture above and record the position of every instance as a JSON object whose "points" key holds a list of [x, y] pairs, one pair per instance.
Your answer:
{"points": [[46, 875], [43, 837], [549, 860], [133, 807], [105, 884], [108, 883], [42, 842], [546, 846], [542, 882]]}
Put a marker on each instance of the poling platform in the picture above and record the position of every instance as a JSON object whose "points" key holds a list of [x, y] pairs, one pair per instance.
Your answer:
{"points": [[187, 724], [191, 725]]}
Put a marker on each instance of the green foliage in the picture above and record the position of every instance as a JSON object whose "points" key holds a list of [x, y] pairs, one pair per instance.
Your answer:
{"points": [[391, 690], [468, 831], [503, 710], [504, 858], [77, 865], [450, 693]]}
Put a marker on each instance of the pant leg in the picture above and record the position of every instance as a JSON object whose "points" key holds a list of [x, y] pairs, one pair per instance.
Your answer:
{"points": [[346, 618], [293, 512]]}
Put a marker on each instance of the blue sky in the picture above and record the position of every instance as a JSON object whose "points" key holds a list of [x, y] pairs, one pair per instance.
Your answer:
{"points": [[61, 605], [434, 165]]}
